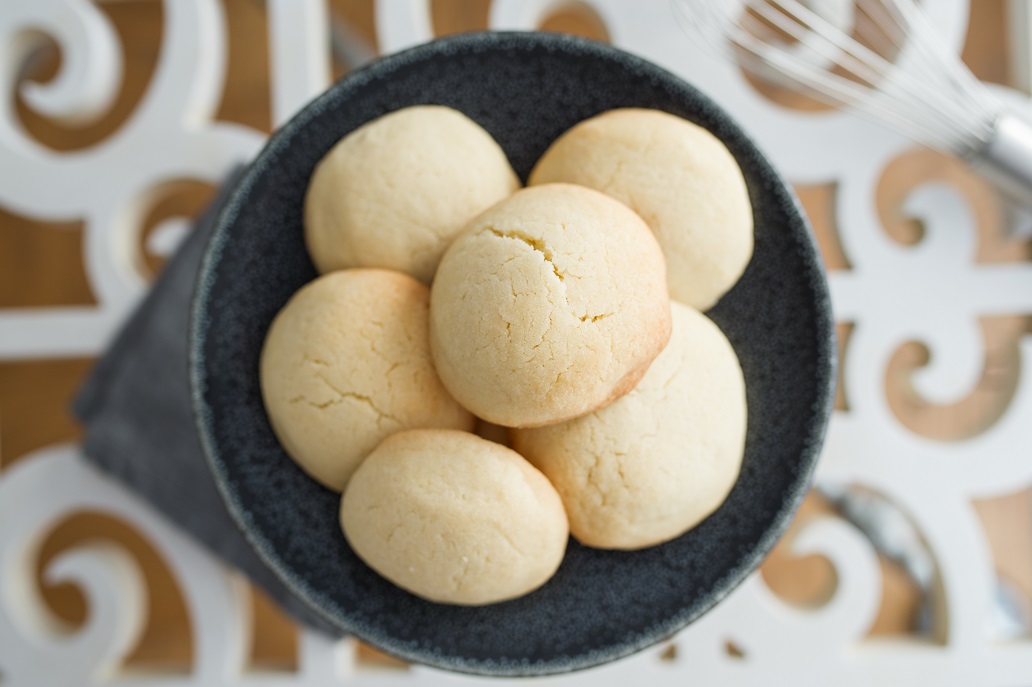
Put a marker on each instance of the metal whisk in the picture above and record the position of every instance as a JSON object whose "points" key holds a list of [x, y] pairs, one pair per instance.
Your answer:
{"points": [[882, 58]]}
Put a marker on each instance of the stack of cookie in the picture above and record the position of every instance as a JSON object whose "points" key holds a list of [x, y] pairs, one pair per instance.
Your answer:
{"points": [[561, 320]]}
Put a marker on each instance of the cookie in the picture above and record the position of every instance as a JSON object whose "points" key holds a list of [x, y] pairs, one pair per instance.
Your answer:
{"points": [[345, 364], [653, 464], [681, 180], [454, 518], [550, 305], [395, 192]]}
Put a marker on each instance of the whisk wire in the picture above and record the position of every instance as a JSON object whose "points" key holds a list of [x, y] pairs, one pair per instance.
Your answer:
{"points": [[818, 80], [819, 40], [893, 67], [916, 83], [817, 83], [882, 58], [977, 97], [868, 67]]}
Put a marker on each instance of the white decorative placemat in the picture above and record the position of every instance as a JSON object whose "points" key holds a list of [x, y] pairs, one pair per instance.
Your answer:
{"points": [[933, 292]]}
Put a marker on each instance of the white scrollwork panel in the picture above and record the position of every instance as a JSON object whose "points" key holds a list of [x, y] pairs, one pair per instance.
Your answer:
{"points": [[401, 24], [116, 589], [299, 54], [820, 639], [932, 292], [86, 87], [170, 135], [34, 495]]}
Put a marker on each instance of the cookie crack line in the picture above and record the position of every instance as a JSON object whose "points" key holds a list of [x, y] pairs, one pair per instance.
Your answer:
{"points": [[536, 244], [591, 480], [325, 404], [381, 414], [540, 247], [392, 365]]}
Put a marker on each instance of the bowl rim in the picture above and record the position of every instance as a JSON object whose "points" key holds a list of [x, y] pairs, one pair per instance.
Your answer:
{"points": [[280, 139]]}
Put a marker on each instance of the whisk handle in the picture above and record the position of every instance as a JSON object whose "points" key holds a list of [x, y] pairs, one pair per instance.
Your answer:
{"points": [[1006, 160]]}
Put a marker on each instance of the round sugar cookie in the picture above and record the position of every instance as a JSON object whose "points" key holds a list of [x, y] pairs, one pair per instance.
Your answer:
{"points": [[550, 305], [454, 518], [346, 363], [681, 180], [656, 462], [395, 192]]}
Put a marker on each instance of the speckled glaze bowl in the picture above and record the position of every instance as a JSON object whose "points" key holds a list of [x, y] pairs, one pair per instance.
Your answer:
{"points": [[525, 89]]}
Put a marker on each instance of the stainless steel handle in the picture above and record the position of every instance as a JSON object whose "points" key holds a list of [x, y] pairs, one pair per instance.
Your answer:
{"points": [[1006, 160]]}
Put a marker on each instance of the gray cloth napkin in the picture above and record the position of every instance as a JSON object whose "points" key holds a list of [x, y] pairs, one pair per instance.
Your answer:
{"points": [[140, 426]]}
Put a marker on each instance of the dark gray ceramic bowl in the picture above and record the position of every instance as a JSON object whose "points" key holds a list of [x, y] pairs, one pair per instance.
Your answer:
{"points": [[525, 89]]}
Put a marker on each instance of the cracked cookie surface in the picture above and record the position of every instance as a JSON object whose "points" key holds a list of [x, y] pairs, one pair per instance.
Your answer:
{"points": [[345, 364], [454, 518], [549, 305], [681, 180], [653, 464], [395, 192]]}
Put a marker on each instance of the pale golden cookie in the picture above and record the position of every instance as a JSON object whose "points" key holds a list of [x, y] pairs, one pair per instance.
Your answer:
{"points": [[345, 364], [454, 518], [681, 180], [550, 305], [652, 465], [395, 192]]}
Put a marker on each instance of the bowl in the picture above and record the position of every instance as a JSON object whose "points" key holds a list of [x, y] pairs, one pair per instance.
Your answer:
{"points": [[525, 89]]}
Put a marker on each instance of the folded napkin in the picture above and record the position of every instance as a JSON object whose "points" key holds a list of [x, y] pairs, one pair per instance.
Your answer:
{"points": [[139, 419]]}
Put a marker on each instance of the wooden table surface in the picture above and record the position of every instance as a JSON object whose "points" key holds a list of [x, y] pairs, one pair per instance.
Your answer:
{"points": [[41, 265]]}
